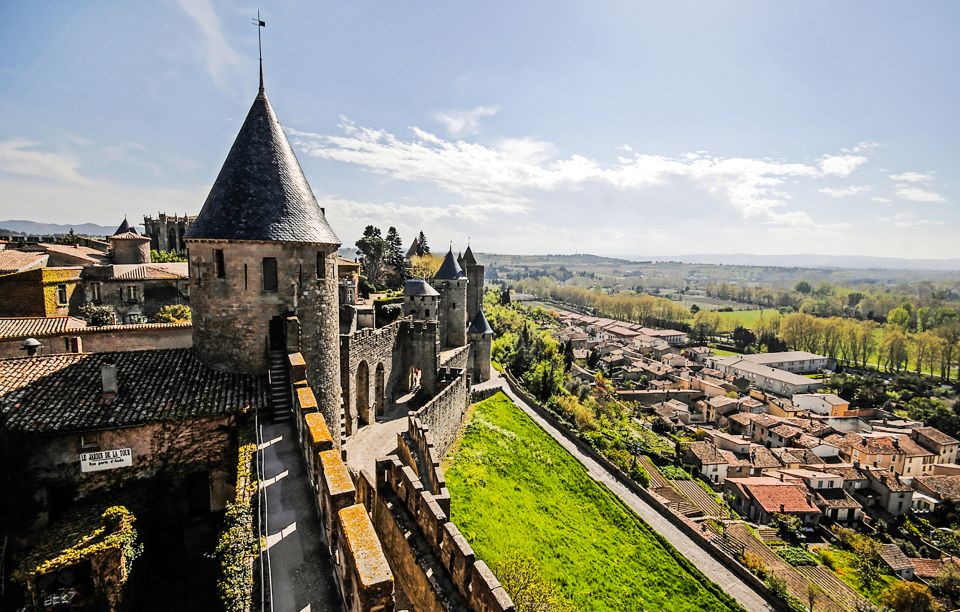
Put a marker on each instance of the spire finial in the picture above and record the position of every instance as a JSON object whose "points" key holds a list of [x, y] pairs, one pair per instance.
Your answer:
{"points": [[260, 23]]}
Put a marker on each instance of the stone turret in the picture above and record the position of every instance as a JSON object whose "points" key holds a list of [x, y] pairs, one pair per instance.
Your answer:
{"points": [[480, 335], [420, 300], [129, 247], [261, 251], [475, 273], [451, 282]]}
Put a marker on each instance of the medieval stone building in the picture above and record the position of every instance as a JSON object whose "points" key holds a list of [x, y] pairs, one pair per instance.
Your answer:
{"points": [[167, 232]]}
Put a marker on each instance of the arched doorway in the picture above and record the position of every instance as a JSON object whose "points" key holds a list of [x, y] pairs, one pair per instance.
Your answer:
{"points": [[363, 393], [378, 392]]}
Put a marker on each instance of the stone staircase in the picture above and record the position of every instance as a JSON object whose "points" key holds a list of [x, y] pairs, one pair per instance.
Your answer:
{"points": [[280, 400]]}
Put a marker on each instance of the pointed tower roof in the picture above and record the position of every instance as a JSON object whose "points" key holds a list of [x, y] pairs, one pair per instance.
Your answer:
{"points": [[479, 325], [450, 269], [261, 192], [414, 247], [460, 260], [124, 228], [468, 258]]}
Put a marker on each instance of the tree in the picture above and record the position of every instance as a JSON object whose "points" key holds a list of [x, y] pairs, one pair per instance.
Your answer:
{"points": [[395, 258], [173, 313], [743, 337], [694, 309], [905, 596], [375, 250], [165, 256], [423, 243], [424, 266], [900, 318], [803, 287], [97, 315], [529, 590]]}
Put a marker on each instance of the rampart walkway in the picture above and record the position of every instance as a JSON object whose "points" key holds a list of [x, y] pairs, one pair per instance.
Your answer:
{"points": [[713, 569], [300, 569]]}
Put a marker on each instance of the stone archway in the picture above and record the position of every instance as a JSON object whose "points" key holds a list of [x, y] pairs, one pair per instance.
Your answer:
{"points": [[379, 392], [363, 393]]}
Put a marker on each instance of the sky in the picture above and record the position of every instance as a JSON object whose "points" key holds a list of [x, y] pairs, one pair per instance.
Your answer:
{"points": [[615, 128]]}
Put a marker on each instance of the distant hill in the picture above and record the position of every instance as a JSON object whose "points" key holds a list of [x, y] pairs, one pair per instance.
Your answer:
{"points": [[32, 228], [863, 262]]}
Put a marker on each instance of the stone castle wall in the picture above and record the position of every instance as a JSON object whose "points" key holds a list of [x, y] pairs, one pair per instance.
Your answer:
{"points": [[363, 576], [376, 349], [453, 312], [443, 415]]}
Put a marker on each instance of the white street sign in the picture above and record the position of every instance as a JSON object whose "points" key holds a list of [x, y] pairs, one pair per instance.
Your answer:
{"points": [[106, 460]]}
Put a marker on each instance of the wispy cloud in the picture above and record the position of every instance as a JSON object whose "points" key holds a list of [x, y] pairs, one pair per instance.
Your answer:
{"points": [[911, 177], [219, 56], [844, 192], [881, 200], [908, 220], [915, 194], [464, 122], [25, 157], [506, 174]]}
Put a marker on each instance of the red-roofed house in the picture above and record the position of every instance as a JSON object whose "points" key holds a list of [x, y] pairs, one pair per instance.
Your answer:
{"points": [[759, 498]]}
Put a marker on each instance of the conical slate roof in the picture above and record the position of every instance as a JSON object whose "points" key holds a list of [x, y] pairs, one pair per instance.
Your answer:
{"points": [[414, 248], [415, 287], [479, 325], [124, 228], [450, 269], [468, 258], [261, 192]]}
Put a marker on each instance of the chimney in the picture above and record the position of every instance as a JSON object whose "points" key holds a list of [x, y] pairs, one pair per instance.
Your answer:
{"points": [[108, 376]]}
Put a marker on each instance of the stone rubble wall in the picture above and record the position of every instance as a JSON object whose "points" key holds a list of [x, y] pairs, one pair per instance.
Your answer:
{"points": [[375, 347], [456, 358], [363, 575], [138, 337]]}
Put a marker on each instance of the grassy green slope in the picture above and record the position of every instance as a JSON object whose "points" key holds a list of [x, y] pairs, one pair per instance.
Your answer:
{"points": [[513, 487]]}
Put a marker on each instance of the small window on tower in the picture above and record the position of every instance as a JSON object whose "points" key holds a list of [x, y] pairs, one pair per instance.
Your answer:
{"points": [[321, 264], [218, 263], [61, 295], [426, 313], [269, 274]]}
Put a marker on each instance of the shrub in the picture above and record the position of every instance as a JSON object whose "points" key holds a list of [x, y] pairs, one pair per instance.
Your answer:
{"points": [[754, 563], [912, 596], [165, 257], [529, 590], [97, 315], [672, 472], [795, 556], [238, 544], [173, 313]]}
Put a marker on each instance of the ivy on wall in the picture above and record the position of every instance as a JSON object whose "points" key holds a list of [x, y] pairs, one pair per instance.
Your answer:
{"points": [[237, 544]]}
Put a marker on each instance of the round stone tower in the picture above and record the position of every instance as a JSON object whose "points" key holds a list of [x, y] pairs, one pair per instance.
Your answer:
{"points": [[128, 246], [261, 251], [451, 282]]}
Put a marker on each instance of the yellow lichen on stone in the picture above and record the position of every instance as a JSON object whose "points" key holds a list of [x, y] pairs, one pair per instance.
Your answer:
{"points": [[364, 546], [336, 473], [319, 433], [306, 398]]}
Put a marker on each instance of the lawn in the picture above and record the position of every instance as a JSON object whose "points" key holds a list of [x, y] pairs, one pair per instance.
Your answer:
{"points": [[842, 566], [513, 488], [747, 318]]}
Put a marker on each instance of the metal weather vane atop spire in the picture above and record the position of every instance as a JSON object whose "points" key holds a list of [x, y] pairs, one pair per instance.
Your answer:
{"points": [[260, 23]]}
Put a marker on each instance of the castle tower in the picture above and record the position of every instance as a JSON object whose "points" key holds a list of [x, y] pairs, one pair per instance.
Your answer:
{"points": [[480, 335], [259, 251], [128, 246], [451, 282], [420, 300], [475, 273]]}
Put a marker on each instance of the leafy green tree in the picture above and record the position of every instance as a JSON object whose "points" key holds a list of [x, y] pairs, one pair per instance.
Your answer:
{"points": [[375, 251], [530, 591], [166, 257], [743, 337], [803, 287], [900, 318], [905, 596], [173, 313], [97, 315]]}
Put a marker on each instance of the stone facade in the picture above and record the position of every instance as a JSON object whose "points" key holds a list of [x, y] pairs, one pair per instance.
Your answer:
{"points": [[475, 274], [453, 312], [166, 231], [130, 248], [367, 374]]}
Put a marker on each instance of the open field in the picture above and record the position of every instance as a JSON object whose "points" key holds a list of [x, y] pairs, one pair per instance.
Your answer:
{"points": [[514, 488], [747, 318]]}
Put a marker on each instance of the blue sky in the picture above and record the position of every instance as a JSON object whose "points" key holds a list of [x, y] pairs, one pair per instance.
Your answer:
{"points": [[529, 127]]}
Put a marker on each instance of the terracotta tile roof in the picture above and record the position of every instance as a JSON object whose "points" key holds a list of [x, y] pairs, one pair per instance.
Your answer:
{"points": [[60, 393], [785, 431], [847, 472], [761, 457], [935, 435], [908, 447], [890, 480], [17, 261], [835, 498], [706, 453], [944, 487], [16, 328], [79, 252], [894, 557], [780, 496], [931, 568], [731, 459]]}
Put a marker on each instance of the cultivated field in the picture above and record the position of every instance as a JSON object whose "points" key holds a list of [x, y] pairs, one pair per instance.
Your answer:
{"points": [[514, 488]]}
